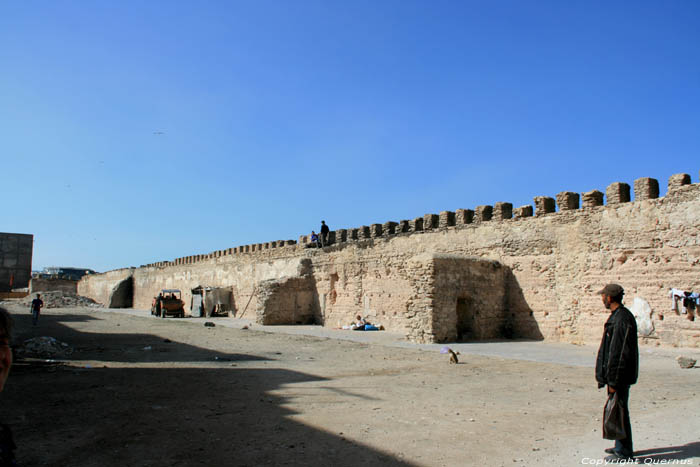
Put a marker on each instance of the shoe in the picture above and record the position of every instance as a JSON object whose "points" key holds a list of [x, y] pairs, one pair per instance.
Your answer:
{"points": [[617, 458], [610, 451]]}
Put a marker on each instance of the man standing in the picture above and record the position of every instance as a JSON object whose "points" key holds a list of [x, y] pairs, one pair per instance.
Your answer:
{"points": [[324, 233], [617, 365], [37, 303]]}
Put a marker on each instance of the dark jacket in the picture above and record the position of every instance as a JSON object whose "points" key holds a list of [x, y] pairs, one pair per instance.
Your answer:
{"points": [[618, 356]]}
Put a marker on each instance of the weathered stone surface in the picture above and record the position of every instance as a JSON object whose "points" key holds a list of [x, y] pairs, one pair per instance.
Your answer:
{"points": [[431, 221], [544, 205], [417, 224], [375, 230], [617, 193], [678, 180], [567, 200], [464, 216], [502, 211], [523, 211], [341, 235], [404, 226], [552, 266], [483, 213], [592, 199], [363, 233], [646, 188], [389, 228], [447, 219]]}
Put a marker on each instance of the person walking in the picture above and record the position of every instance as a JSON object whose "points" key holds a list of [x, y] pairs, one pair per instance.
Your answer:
{"points": [[617, 364], [37, 303], [324, 233]]}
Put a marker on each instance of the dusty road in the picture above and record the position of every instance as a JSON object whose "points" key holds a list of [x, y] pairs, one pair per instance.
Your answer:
{"points": [[142, 391]]}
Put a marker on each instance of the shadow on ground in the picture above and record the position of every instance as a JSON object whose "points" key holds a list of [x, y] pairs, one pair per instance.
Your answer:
{"points": [[670, 453], [226, 416]]}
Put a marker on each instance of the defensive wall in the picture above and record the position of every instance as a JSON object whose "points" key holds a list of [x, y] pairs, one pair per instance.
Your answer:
{"points": [[488, 272], [15, 260]]}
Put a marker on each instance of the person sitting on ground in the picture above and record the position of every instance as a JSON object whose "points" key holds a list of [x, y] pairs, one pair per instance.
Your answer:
{"points": [[7, 445], [360, 323], [314, 239]]}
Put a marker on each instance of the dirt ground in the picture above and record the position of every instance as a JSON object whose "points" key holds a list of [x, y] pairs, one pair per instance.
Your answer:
{"points": [[143, 391]]}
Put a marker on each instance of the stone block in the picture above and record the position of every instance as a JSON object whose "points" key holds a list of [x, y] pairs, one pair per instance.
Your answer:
{"points": [[389, 228], [363, 233], [404, 226], [567, 200], [341, 235], [502, 211], [353, 234], [617, 193], [464, 216], [290, 242], [646, 188], [544, 205], [431, 221], [483, 213], [592, 199], [417, 224], [447, 219], [375, 230], [523, 211], [678, 180], [332, 236]]}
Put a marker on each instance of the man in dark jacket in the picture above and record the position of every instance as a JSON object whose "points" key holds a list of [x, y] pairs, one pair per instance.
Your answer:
{"points": [[617, 365], [324, 233]]}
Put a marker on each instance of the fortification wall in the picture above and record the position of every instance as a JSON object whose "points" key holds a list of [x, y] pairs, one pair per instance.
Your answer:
{"points": [[554, 261]]}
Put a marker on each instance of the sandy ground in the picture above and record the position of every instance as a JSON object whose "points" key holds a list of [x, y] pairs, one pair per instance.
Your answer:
{"points": [[144, 391]]}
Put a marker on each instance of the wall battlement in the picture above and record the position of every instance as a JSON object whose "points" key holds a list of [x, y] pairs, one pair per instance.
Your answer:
{"points": [[416, 276], [616, 193]]}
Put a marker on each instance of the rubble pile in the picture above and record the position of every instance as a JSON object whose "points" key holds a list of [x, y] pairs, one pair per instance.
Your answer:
{"points": [[58, 299], [44, 346]]}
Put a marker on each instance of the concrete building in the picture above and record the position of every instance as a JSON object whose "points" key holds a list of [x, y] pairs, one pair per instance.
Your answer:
{"points": [[15, 260]]}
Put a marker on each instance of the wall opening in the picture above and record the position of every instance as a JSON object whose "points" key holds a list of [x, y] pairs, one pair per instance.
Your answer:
{"points": [[122, 295], [466, 320]]}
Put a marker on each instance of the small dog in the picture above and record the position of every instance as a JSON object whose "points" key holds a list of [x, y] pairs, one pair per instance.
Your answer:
{"points": [[453, 356]]}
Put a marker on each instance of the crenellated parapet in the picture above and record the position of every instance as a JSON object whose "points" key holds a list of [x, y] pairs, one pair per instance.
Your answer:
{"points": [[616, 194]]}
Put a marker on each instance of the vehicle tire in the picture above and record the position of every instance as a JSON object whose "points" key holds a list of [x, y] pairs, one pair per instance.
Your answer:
{"points": [[162, 314]]}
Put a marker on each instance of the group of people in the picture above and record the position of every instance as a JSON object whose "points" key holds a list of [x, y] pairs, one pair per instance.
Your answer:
{"points": [[321, 240]]}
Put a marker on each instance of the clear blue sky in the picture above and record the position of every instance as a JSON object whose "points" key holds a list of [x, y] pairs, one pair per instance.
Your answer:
{"points": [[277, 114]]}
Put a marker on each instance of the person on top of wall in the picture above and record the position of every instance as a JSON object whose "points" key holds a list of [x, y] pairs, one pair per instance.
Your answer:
{"points": [[37, 303], [617, 364], [324, 233], [7, 445], [314, 239]]}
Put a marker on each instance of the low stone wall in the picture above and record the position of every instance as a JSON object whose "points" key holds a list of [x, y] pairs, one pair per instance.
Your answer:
{"points": [[53, 285]]}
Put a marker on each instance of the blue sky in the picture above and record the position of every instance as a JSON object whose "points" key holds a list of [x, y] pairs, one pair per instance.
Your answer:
{"points": [[277, 114]]}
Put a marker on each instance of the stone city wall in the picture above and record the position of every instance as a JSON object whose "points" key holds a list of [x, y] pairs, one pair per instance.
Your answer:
{"points": [[553, 262]]}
